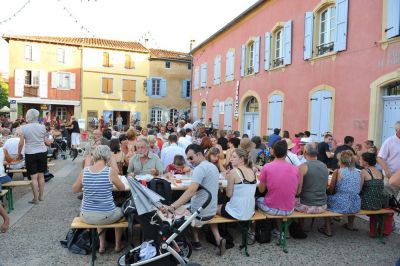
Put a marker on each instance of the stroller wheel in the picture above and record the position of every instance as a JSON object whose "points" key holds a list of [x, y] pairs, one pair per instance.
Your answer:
{"points": [[185, 247]]}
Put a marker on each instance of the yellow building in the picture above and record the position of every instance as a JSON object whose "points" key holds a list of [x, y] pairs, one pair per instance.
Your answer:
{"points": [[168, 86], [113, 77]]}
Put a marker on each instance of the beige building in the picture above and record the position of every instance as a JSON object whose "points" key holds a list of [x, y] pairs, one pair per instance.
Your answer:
{"points": [[168, 86]]}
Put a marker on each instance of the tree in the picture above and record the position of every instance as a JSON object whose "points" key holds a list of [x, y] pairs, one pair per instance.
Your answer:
{"points": [[4, 93]]}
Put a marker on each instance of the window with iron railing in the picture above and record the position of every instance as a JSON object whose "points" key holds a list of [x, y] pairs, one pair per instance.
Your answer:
{"points": [[325, 48]]}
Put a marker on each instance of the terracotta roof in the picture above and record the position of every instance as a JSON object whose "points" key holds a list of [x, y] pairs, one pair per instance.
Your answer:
{"points": [[165, 54], [87, 42]]}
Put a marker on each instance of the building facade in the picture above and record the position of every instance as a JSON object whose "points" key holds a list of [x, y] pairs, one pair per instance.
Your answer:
{"points": [[317, 65], [44, 73], [168, 86]]}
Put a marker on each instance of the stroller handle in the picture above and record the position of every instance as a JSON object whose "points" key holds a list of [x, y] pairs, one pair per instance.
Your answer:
{"points": [[208, 200]]}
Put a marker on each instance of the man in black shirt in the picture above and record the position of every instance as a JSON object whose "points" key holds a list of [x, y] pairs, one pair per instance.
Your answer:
{"points": [[348, 143], [324, 153]]}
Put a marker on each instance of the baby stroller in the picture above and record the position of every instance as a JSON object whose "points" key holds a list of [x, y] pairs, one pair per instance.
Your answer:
{"points": [[169, 244], [60, 145]]}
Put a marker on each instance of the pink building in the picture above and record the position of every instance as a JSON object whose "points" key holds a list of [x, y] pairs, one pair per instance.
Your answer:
{"points": [[317, 65]]}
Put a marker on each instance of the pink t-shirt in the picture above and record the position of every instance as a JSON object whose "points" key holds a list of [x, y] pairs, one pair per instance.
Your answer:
{"points": [[281, 179]]}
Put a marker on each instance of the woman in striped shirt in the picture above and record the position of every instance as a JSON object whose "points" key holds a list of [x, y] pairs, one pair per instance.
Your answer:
{"points": [[98, 204]]}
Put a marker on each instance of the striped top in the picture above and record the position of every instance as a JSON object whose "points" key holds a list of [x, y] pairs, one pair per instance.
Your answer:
{"points": [[97, 193]]}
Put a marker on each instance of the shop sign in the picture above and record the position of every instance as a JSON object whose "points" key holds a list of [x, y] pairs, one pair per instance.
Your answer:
{"points": [[236, 109], [44, 107]]}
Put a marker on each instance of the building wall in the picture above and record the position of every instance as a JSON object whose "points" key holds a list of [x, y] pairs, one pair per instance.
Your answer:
{"points": [[174, 76], [92, 97], [349, 74]]}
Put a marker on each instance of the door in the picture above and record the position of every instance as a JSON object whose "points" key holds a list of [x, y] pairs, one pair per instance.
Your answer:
{"points": [[391, 114], [228, 115], [274, 113], [320, 117], [250, 122]]}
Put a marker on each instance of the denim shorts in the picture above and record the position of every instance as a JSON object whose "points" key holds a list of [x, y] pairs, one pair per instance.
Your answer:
{"points": [[4, 179]]}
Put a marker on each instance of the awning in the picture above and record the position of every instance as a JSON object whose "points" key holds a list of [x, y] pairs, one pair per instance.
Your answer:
{"points": [[5, 109]]}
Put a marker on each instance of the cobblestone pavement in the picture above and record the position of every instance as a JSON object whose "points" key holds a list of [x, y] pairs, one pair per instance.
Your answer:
{"points": [[36, 230]]}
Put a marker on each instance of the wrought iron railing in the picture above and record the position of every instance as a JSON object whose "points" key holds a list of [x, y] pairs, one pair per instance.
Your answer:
{"points": [[325, 48]]}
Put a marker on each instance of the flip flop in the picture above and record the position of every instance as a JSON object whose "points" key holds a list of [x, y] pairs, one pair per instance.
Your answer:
{"points": [[33, 202], [322, 231], [346, 226]]}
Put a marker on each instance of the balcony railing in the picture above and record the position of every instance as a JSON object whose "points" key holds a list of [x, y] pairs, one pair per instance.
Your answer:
{"points": [[277, 62], [31, 91], [325, 48], [250, 70]]}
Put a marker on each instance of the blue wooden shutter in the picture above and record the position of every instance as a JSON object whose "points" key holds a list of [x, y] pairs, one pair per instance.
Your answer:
{"points": [[203, 75], [183, 92], [326, 106], [228, 66], [228, 115], [215, 117], [163, 88], [287, 59], [219, 69], [393, 18], [267, 50], [315, 115], [342, 7], [257, 54], [149, 84], [196, 78], [243, 62], [308, 35], [195, 112]]}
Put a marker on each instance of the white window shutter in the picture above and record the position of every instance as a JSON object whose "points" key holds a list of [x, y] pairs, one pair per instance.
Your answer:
{"points": [[256, 54], [342, 9], [287, 60], [28, 52], [183, 89], [393, 18], [72, 81], [163, 87], [43, 84], [243, 61], [267, 50], [215, 71], [308, 35], [19, 82], [227, 65], [68, 56], [196, 78], [35, 53], [232, 65], [55, 80]]}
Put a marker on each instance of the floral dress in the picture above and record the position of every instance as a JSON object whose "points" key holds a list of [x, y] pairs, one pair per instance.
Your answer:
{"points": [[346, 199], [372, 195]]}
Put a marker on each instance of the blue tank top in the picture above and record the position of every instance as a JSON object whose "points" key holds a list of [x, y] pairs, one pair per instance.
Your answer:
{"points": [[97, 193]]}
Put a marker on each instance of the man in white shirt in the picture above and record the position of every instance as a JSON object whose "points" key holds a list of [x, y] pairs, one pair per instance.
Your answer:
{"points": [[168, 153], [189, 134], [188, 124], [163, 135], [183, 142], [11, 148], [290, 156]]}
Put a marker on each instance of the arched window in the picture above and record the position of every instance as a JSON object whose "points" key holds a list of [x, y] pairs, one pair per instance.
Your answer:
{"points": [[252, 105]]}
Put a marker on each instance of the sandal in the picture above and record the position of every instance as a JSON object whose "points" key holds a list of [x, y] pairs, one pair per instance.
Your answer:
{"points": [[322, 231], [346, 226], [33, 202]]}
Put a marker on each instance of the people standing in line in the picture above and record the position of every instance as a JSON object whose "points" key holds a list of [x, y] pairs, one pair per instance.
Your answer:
{"points": [[389, 158], [33, 137]]}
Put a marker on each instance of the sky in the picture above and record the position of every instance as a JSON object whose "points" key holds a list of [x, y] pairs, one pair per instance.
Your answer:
{"points": [[168, 24]]}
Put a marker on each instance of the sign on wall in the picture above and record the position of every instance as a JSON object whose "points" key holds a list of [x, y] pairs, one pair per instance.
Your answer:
{"points": [[236, 109]]}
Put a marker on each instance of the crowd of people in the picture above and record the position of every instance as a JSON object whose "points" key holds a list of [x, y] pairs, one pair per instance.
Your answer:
{"points": [[286, 173]]}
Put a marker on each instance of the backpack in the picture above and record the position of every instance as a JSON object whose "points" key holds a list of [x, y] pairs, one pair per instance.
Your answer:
{"points": [[163, 188], [263, 231], [296, 231], [77, 241], [223, 231]]}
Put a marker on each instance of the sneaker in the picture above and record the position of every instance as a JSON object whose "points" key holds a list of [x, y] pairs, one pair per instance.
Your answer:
{"points": [[196, 245], [275, 232]]}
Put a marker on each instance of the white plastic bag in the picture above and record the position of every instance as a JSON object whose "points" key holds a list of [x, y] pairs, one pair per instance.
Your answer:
{"points": [[147, 251]]}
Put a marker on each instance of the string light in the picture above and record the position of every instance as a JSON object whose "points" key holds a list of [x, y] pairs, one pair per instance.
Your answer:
{"points": [[15, 14], [75, 19]]}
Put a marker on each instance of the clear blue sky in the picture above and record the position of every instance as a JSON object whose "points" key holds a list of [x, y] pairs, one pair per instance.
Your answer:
{"points": [[169, 24]]}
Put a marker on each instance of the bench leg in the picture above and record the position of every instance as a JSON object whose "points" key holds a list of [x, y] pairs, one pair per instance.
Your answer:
{"points": [[244, 226], [283, 231], [93, 236], [9, 197]]}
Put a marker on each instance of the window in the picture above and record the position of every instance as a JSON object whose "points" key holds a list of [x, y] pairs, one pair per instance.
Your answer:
{"points": [[167, 64], [156, 115], [392, 27], [31, 78], [196, 77], [106, 60], [327, 30], [278, 46], [61, 112], [329, 24], [128, 62], [278, 49], [252, 105], [60, 55], [217, 70], [250, 58], [128, 90], [155, 87], [189, 65], [250, 63], [28, 52], [63, 80], [188, 88], [173, 115], [203, 75], [107, 86], [230, 64]]}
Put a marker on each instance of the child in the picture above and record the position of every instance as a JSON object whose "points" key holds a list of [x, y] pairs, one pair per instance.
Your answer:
{"points": [[178, 166]]}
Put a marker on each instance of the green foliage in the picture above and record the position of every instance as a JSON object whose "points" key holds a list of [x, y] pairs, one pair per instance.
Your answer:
{"points": [[4, 94]]}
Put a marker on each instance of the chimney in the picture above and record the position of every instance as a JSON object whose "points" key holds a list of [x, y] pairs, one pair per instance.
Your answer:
{"points": [[146, 42], [192, 43]]}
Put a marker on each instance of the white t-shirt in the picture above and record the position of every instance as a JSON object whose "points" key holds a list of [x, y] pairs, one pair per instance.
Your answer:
{"points": [[2, 171], [11, 145], [35, 135], [168, 154], [390, 152], [292, 158]]}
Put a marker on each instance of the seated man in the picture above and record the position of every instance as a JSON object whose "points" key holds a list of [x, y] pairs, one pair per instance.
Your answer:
{"points": [[10, 149], [205, 174], [144, 162], [281, 180], [313, 182]]}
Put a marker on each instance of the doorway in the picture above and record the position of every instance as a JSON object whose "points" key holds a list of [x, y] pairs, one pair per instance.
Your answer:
{"points": [[251, 117]]}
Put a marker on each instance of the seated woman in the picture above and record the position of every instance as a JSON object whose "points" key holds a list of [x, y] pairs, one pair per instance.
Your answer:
{"points": [[118, 156], [213, 157], [178, 166], [98, 206], [344, 189], [233, 143], [372, 192], [241, 188]]}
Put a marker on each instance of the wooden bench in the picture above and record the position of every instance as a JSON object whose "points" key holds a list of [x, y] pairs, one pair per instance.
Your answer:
{"points": [[15, 171], [77, 223], [4, 192], [10, 185], [287, 220], [258, 215]]}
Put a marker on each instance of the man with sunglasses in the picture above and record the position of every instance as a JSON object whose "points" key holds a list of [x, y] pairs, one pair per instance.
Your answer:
{"points": [[205, 174]]}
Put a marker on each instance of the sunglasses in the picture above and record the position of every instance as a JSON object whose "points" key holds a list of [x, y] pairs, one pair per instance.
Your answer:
{"points": [[190, 158]]}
